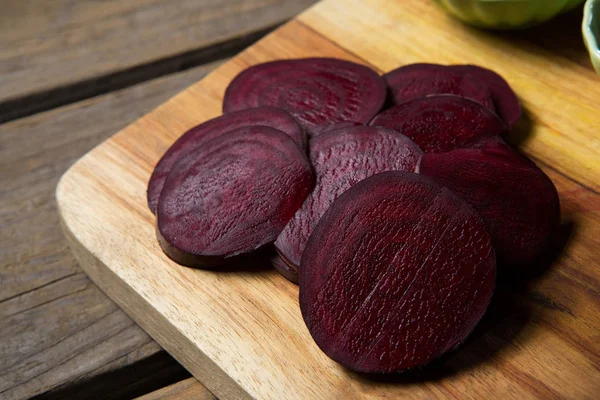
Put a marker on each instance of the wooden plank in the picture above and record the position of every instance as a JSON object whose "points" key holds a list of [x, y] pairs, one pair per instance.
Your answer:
{"points": [[144, 376], [47, 46], [189, 389], [55, 325], [540, 338]]}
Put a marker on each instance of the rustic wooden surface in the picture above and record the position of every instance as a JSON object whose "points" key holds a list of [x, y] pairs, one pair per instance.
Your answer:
{"points": [[55, 325], [241, 332], [188, 389], [47, 49]]}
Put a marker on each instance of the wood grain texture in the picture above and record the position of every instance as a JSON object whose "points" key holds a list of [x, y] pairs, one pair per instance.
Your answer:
{"points": [[242, 335], [45, 45], [130, 381], [55, 325], [188, 389]]}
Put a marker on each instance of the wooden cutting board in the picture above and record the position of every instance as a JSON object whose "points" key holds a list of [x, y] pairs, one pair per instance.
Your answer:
{"points": [[241, 333]]}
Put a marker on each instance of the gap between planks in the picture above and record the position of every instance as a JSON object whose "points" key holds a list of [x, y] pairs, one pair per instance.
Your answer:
{"points": [[56, 327], [53, 53], [46, 100]]}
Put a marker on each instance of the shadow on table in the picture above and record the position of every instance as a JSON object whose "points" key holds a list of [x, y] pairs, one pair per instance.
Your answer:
{"points": [[560, 36]]}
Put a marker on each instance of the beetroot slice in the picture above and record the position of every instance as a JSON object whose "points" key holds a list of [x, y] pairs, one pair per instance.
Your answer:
{"points": [[231, 195], [411, 278], [288, 270], [418, 80], [517, 201], [442, 122], [267, 116], [507, 104], [341, 158], [317, 91], [333, 127]]}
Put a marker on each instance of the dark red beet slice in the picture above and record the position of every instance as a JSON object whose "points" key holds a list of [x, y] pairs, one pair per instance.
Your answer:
{"points": [[231, 195], [442, 122], [517, 201], [411, 278], [507, 104], [418, 80], [317, 91], [266, 116], [288, 270], [333, 127], [342, 158]]}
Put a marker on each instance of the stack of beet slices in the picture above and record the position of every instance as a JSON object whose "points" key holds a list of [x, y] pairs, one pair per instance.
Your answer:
{"points": [[390, 199]]}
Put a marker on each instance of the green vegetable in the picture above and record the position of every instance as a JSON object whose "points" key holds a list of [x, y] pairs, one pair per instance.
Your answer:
{"points": [[506, 14]]}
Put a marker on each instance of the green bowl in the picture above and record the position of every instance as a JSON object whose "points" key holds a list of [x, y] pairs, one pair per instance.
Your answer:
{"points": [[591, 31], [506, 14]]}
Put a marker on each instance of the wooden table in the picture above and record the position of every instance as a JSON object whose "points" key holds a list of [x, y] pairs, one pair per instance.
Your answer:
{"points": [[71, 75]]}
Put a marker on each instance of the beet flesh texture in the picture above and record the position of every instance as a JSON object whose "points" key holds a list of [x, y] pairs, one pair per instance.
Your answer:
{"points": [[231, 195], [411, 278], [317, 91], [506, 101], [341, 158], [516, 199], [418, 80], [333, 127], [264, 116], [442, 122]]}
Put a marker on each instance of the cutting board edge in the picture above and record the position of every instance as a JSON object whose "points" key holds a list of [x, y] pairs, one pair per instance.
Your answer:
{"points": [[167, 335]]}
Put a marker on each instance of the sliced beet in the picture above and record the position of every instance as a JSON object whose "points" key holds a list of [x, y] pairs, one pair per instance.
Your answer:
{"points": [[506, 102], [398, 271], [333, 127], [288, 270], [516, 199], [264, 116], [442, 122], [342, 158], [231, 195], [418, 80], [317, 91]]}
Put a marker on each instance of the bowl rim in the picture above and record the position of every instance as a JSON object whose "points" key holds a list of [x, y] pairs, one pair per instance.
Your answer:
{"points": [[590, 39]]}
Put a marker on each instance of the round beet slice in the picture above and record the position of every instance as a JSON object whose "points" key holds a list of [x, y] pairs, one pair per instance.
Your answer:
{"points": [[333, 127], [506, 102], [231, 195], [265, 116], [442, 122], [516, 199], [342, 158], [398, 271], [418, 80], [317, 91]]}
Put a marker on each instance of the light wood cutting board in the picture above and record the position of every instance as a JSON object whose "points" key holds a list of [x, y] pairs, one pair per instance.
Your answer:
{"points": [[241, 333]]}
